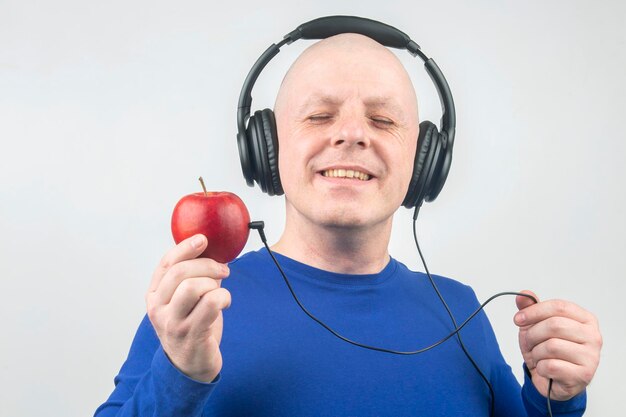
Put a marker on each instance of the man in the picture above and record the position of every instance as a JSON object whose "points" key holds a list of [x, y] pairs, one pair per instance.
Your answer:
{"points": [[347, 126]]}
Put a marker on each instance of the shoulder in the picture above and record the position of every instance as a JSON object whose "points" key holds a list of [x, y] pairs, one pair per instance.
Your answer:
{"points": [[247, 259], [252, 262], [454, 291]]}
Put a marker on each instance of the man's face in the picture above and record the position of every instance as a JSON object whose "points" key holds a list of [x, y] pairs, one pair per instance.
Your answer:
{"points": [[347, 128]]}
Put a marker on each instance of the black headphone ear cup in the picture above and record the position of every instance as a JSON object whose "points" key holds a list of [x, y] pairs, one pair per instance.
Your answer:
{"points": [[424, 156], [263, 151], [270, 134]]}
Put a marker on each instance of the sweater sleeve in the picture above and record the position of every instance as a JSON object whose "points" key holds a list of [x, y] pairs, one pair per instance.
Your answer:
{"points": [[148, 384]]}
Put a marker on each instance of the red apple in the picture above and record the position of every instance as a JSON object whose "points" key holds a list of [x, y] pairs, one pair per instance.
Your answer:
{"points": [[219, 215]]}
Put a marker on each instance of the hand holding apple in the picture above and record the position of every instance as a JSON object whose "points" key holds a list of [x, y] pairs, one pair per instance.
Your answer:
{"points": [[184, 303], [220, 215]]}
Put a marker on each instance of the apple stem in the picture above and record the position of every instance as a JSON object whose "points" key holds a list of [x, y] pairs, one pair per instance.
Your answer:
{"points": [[203, 187]]}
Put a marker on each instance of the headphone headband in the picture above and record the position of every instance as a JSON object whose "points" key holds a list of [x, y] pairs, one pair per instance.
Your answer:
{"points": [[325, 27]]}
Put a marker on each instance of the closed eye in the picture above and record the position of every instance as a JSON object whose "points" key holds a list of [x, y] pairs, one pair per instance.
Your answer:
{"points": [[319, 118], [383, 122]]}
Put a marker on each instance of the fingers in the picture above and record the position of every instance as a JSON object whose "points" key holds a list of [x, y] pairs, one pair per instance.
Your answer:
{"points": [[536, 313], [202, 319], [189, 248], [564, 350], [210, 306], [577, 376], [178, 273], [554, 327], [561, 338], [187, 295], [523, 302]]}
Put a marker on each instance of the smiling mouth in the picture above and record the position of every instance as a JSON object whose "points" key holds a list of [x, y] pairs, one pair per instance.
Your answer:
{"points": [[346, 173]]}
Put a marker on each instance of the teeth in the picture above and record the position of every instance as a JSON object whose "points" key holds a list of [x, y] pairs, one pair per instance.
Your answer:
{"points": [[346, 173]]}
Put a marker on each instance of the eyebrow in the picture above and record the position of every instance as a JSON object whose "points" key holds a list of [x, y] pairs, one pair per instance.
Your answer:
{"points": [[316, 100], [387, 103]]}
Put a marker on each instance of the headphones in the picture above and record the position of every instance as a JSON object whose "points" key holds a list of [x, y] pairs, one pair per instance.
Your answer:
{"points": [[258, 140]]}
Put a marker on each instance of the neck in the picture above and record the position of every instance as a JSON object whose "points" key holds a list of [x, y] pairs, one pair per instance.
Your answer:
{"points": [[341, 249]]}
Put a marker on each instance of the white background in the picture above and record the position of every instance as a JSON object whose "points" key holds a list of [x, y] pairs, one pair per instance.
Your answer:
{"points": [[109, 111]]}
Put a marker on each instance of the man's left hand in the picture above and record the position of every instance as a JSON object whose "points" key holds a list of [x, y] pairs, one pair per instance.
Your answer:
{"points": [[560, 341]]}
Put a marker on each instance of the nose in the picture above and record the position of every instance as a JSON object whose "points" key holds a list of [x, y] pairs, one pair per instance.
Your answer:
{"points": [[351, 130]]}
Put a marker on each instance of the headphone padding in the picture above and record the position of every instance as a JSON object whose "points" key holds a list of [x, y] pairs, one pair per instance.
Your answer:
{"points": [[270, 135], [257, 149], [433, 174], [442, 170], [423, 161]]}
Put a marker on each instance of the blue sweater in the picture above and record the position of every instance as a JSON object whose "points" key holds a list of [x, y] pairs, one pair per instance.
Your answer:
{"points": [[279, 362]]}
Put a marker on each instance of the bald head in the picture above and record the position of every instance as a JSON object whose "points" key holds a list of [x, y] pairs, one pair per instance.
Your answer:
{"points": [[348, 61]]}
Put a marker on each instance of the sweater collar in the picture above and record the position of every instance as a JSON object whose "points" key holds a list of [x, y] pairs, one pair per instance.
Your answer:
{"points": [[307, 272]]}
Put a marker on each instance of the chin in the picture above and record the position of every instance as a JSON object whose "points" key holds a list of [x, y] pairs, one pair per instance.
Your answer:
{"points": [[346, 220], [342, 213]]}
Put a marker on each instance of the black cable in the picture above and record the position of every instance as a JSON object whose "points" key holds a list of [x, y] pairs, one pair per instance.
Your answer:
{"points": [[458, 335], [259, 226], [549, 390]]}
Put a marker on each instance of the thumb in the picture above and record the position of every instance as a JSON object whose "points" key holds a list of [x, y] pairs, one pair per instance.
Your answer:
{"points": [[196, 246], [523, 302]]}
